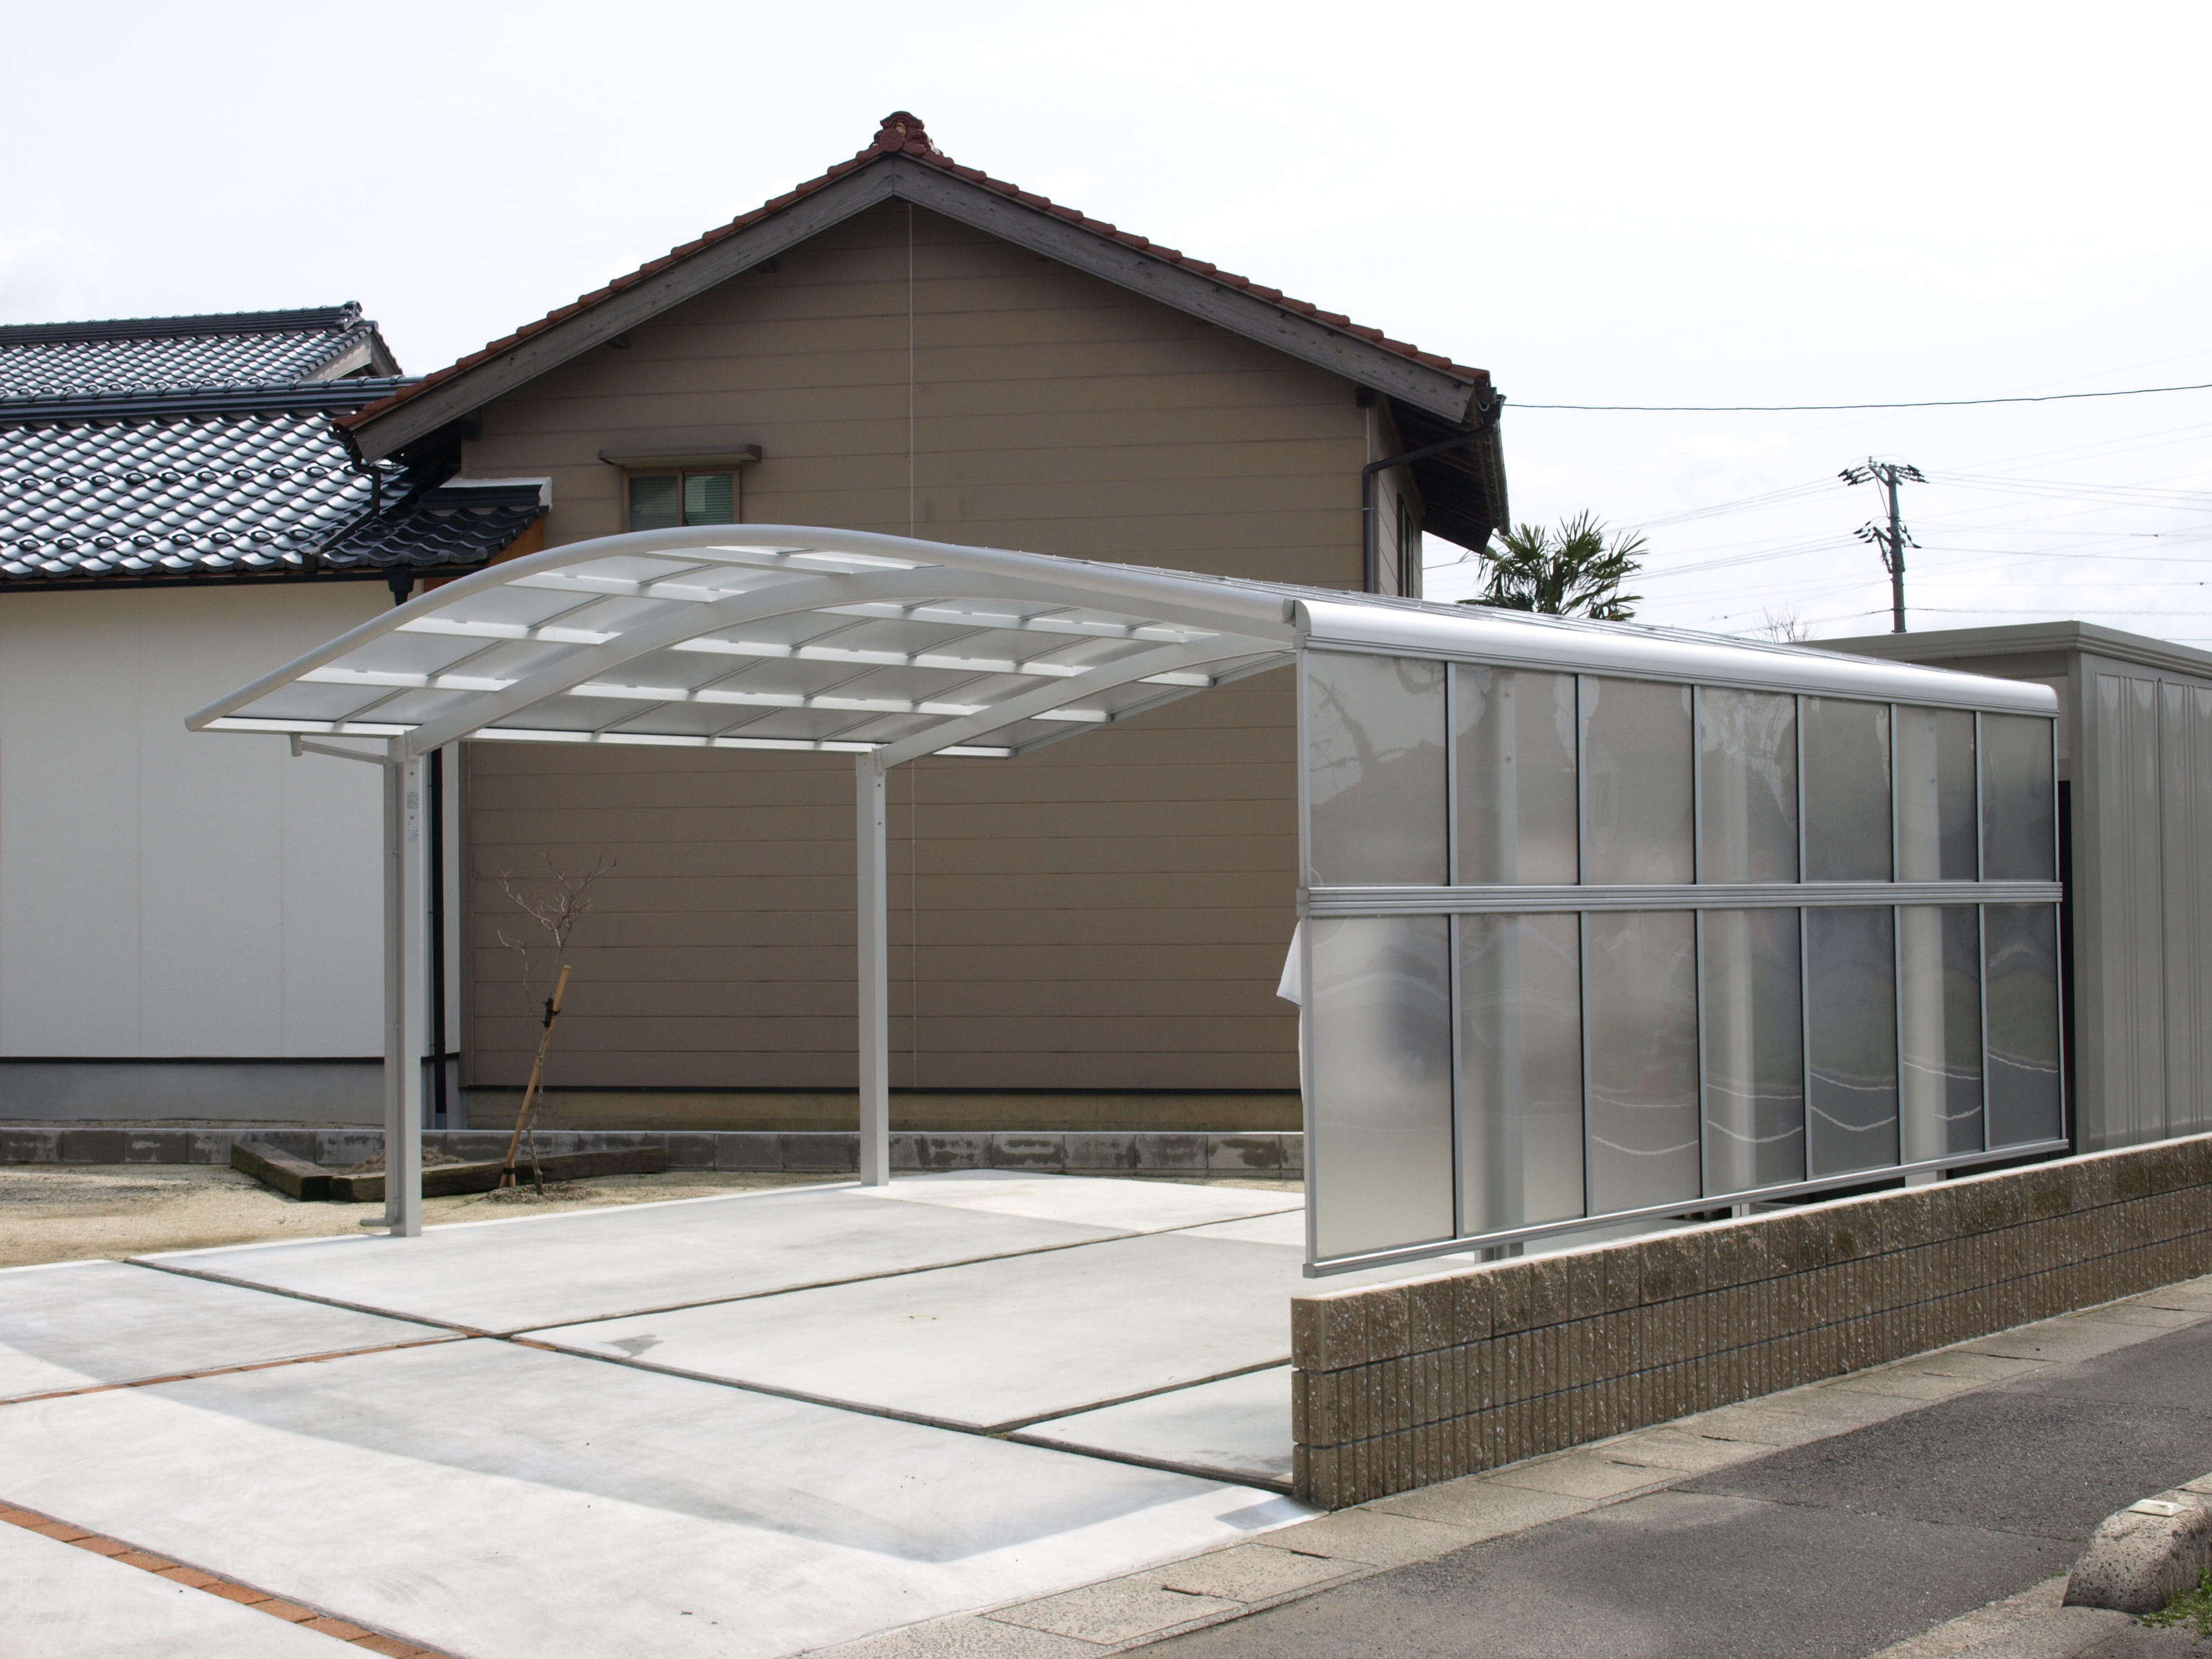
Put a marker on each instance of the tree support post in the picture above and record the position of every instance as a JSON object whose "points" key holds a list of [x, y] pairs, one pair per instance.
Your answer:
{"points": [[872, 861]]}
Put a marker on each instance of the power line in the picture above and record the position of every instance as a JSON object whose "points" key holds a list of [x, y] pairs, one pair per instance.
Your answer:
{"points": [[1834, 409]]}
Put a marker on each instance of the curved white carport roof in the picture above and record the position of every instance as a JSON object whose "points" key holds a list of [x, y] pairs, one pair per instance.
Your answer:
{"points": [[776, 637], [780, 636]]}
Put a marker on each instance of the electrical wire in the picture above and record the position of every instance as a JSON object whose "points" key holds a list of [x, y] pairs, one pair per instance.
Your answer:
{"points": [[1839, 409]]}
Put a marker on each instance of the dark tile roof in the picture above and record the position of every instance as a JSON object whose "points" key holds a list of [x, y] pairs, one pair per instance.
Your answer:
{"points": [[455, 524], [234, 482], [901, 134], [174, 354]]}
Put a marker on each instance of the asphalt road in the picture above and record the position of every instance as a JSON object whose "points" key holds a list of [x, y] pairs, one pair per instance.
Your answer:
{"points": [[1829, 1551]]}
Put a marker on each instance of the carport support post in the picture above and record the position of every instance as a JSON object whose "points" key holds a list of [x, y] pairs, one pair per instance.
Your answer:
{"points": [[406, 924], [871, 860]]}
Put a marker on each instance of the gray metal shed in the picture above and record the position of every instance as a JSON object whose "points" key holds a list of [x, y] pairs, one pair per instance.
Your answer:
{"points": [[2134, 758]]}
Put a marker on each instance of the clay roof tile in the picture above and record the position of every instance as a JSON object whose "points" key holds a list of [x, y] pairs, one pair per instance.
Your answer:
{"points": [[902, 133]]}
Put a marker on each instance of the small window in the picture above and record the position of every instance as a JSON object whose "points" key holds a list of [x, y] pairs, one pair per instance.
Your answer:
{"points": [[663, 501]]}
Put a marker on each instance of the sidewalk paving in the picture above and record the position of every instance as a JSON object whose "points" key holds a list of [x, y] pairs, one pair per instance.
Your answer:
{"points": [[1827, 1522]]}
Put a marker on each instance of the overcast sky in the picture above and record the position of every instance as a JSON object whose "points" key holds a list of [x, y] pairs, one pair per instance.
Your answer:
{"points": [[1600, 204]]}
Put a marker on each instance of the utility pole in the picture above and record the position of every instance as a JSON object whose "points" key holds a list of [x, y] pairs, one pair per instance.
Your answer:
{"points": [[1893, 541]]}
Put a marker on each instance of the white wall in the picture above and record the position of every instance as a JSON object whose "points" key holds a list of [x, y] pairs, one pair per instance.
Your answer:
{"points": [[166, 893]]}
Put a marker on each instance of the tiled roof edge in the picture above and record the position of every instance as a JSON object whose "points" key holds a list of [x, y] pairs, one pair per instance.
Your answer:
{"points": [[903, 134], [334, 318], [343, 394]]}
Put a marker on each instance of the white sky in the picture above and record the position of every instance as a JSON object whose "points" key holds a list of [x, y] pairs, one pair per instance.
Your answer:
{"points": [[1697, 203]]}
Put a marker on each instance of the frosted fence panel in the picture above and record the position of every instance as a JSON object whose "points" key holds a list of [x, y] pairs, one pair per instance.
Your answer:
{"points": [[1851, 1040], [1380, 1006], [1378, 777], [1754, 1069], [1846, 790], [2017, 795], [1516, 775], [2021, 942], [1935, 795], [1939, 954], [1747, 786], [1521, 1071], [1636, 781], [1641, 1007]]}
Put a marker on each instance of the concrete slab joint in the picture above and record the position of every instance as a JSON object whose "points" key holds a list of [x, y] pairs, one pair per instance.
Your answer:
{"points": [[2155, 1548], [1401, 1385]]}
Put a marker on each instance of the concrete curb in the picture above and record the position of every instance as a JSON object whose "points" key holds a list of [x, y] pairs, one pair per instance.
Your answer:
{"points": [[2150, 1551], [1054, 1151]]}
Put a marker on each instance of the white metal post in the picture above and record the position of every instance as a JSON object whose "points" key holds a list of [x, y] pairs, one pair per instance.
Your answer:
{"points": [[395, 981], [405, 930], [872, 861]]}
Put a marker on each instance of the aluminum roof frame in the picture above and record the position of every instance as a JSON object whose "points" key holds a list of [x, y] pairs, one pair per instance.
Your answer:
{"points": [[795, 637]]}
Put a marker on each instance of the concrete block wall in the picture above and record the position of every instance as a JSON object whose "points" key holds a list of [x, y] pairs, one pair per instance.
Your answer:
{"points": [[1266, 1154], [1401, 1385]]}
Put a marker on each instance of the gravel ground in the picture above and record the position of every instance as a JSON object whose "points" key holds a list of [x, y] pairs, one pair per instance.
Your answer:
{"points": [[115, 1210]]}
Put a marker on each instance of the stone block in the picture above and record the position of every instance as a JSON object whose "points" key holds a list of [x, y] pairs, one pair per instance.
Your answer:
{"points": [[1512, 1296], [209, 1146], [2045, 1192], [1328, 1331], [941, 1151], [30, 1145], [1674, 1267], [90, 1146], [1473, 1296], [834, 1151], [1097, 1153], [157, 1146], [1739, 1255], [2131, 1174], [1294, 1152], [1388, 1331], [341, 1149], [1041, 1151], [1430, 1322], [293, 1143], [690, 1149], [758, 1149], [2147, 1552], [1585, 1271], [1256, 1151], [1165, 1154]]}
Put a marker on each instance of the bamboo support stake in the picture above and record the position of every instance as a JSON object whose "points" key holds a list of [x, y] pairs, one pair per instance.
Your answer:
{"points": [[536, 1074]]}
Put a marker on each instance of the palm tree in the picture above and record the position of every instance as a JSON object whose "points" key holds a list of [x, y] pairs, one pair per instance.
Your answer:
{"points": [[1571, 573]]}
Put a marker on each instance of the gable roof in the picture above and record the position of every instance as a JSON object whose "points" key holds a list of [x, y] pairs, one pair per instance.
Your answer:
{"points": [[147, 354], [901, 162], [200, 448]]}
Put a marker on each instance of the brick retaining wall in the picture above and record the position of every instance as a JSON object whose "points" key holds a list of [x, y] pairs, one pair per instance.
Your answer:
{"points": [[1401, 1385]]}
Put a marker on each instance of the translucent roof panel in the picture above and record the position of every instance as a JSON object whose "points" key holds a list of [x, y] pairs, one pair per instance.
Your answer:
{"points": [[787, 637]]}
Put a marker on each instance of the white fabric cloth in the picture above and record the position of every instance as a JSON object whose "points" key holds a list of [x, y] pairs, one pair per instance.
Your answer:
{"points": [[1293, 987]]}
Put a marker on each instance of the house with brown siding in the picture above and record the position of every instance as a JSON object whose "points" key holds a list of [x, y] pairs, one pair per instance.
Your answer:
{"points": [[1085, 936]]}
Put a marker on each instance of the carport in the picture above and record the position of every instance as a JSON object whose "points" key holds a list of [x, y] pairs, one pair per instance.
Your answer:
{"points": [[1602, 922]]}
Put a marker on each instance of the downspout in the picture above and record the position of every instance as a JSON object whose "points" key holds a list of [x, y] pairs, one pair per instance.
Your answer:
{"points": [[1370, 562]]}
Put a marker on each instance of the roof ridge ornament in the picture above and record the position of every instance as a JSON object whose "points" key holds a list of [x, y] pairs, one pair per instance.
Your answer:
{"points": [[903, 130]]}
